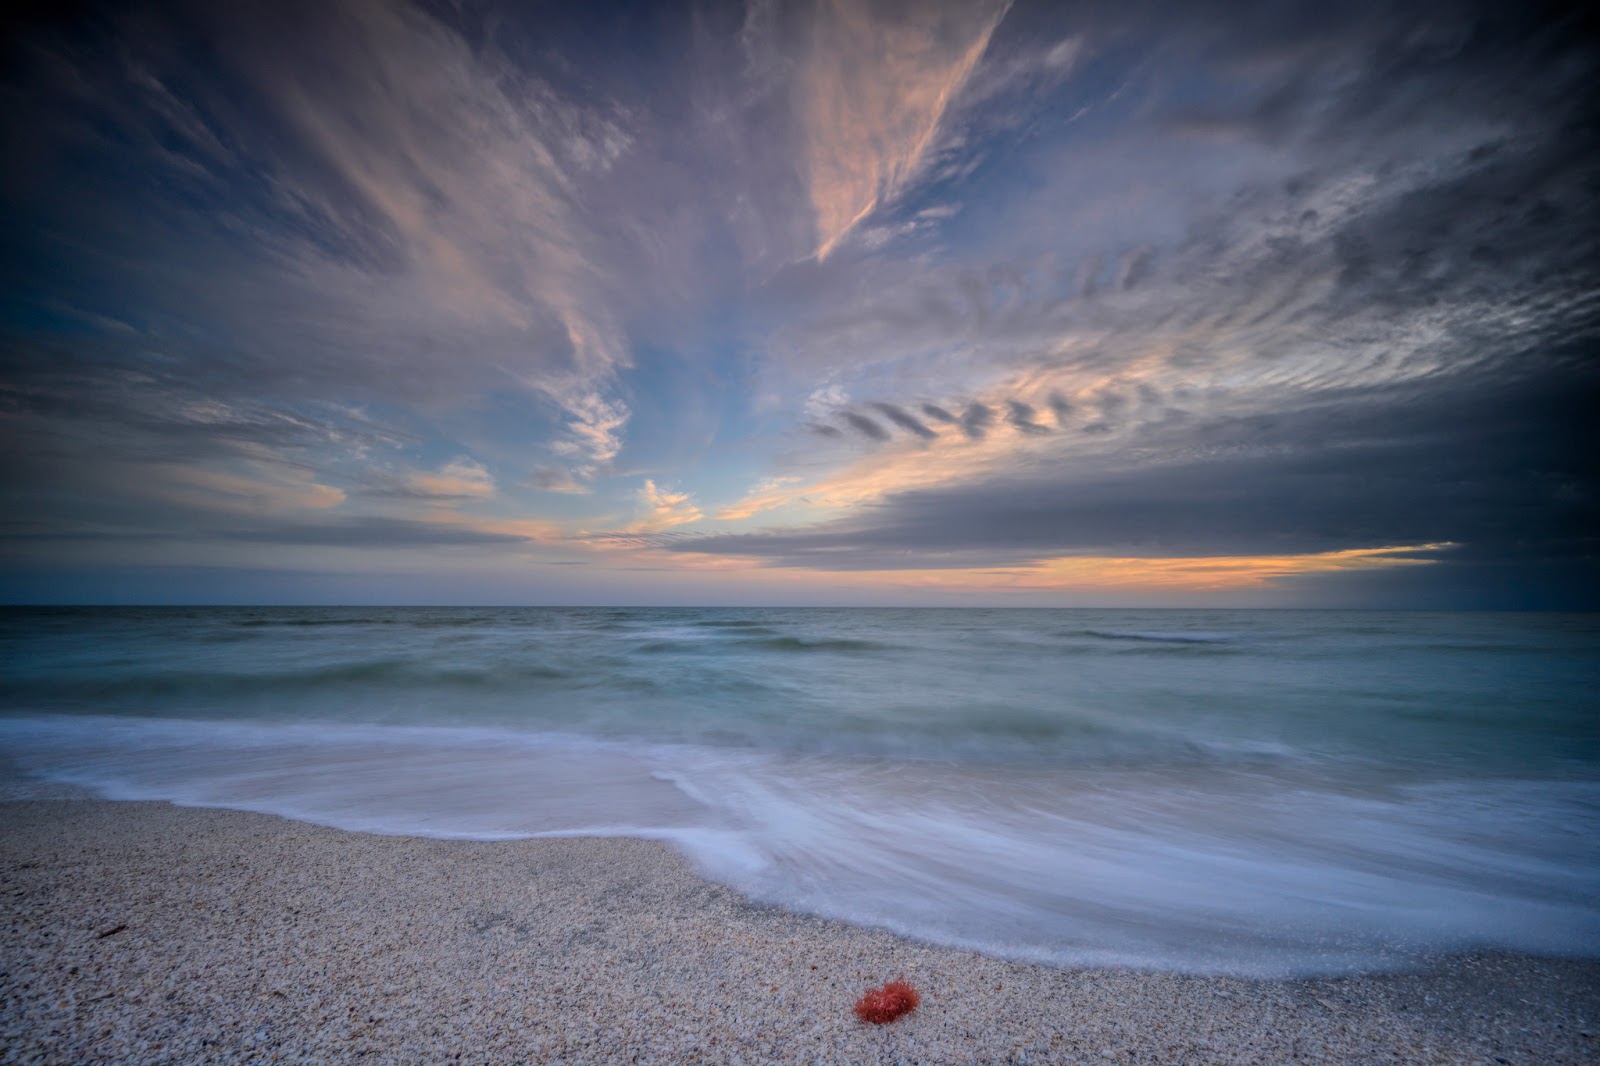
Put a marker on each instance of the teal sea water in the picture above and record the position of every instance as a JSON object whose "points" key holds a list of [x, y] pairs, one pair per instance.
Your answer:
{"points": [[1242, 792]]}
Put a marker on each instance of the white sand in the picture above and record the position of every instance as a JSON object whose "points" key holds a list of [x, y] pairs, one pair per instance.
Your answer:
{"points": [[145, 933]]}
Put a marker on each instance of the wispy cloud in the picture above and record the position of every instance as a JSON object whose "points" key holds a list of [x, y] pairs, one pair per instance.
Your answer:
{"points": [[370, 533], [258, 488], [459, 479], [594, 434], [769, 493], [664, 509], [556, 479], [416, 226], [872, 90]]}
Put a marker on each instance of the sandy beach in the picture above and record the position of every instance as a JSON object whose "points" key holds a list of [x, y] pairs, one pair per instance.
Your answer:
{"points": [[148, 933]]}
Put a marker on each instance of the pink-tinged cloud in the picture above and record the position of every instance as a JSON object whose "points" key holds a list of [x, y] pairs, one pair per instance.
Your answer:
{"points": [[459, 479], [871, 93], [664, 509]]}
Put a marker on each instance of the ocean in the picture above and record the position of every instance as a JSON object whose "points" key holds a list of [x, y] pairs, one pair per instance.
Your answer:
{"points": [[1259, 793]]}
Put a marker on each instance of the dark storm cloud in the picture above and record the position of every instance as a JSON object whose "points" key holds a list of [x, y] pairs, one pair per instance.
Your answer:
{"points": [[652, 538], [1440, 153], [1135, 267], [374, 533], [1021, 416], [1506, 469], [865, 426], [1525, 582], [975, 420], [95, 397], [1514, 222], [1109, 402], [116, 452], [899, 417]]}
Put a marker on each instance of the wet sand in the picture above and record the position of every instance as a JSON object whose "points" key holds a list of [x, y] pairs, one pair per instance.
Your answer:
{"points": [[147, 933]]}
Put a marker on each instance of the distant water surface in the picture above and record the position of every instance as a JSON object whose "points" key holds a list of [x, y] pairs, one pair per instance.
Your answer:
{"points": [[1247, 792]]}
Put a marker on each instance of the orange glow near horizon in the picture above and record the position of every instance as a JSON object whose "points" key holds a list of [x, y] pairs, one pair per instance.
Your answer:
{"points": [[1092, 574], [1219, 573]]}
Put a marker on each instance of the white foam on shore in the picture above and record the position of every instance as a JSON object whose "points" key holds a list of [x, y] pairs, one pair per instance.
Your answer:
{"points": [[399, 780], [1212, 872]]}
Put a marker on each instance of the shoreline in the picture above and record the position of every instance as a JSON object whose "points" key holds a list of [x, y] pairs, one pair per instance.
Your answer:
{"points": [[145, 932]]}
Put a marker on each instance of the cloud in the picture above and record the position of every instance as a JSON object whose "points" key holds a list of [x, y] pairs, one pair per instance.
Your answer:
{"points": [[899, 417], [825, 399], [250, 488], [664, 509], [369, 533], [1110, 248], [871, 91], [865, 426], [362, 200], [594, 434], [1326, 266], [459, 479], [767, 494], [1135, 267], [1285, 283], [975, 420], [554, 479], [1021, 416], [1503, 468]]}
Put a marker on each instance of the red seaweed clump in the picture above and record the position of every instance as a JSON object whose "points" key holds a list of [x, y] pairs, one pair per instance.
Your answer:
{"points": [[883, 1005]]}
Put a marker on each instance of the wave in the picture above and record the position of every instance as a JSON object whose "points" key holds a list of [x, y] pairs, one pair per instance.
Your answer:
{"points": [[756, 641], [1160, 637], [800, 644], [368, 673], [301, 622], [674, 647], [1253, 874], [474, 783]]}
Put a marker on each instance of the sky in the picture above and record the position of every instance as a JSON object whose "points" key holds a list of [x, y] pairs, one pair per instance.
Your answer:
{"points": [[840, 302]]}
